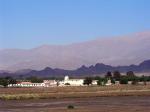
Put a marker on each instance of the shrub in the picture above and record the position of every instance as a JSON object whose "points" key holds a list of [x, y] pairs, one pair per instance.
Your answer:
{"points": [[70, 107], [99, 82], [134, 82], [67, 83], [112, 81], [123, 80]]}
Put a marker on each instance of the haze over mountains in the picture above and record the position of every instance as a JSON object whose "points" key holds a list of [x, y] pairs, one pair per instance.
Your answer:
{"points": [[124, 50]]}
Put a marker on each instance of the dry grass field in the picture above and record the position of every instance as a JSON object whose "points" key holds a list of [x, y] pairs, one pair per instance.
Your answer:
{"points": [[96, 104], [73, 92], [121, 98]]}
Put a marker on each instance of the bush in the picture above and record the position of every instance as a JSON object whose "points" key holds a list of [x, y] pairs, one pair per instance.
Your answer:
{"points": [[112, 81], [102, 81], [67, 84], [134, 82], [70, 107], [3, 82], [99, 82], [123, 80]]}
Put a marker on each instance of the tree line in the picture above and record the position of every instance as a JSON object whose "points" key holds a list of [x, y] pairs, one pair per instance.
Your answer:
{"points": [[113, 76], [117, 76], [5, 81]]}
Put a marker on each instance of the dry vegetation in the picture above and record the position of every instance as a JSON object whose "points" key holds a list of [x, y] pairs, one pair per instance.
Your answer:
{"points": [[93, 104], [73, 92]]}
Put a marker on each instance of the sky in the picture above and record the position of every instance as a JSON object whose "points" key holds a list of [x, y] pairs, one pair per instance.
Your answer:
{"points": [[31, 23]]}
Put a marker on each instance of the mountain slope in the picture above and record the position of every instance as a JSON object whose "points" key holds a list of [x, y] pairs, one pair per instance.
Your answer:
{"points": [[125, 50]]}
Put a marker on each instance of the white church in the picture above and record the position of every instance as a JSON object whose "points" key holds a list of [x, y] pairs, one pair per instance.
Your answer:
{"points": [[71, 82]]}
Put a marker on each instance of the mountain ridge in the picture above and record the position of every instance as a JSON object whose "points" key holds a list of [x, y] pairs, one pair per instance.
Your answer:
{"points": [[97, 69]]}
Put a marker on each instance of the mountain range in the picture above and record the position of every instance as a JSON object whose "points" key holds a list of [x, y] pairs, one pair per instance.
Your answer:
{"points": [[114, 51], [97, 69]]}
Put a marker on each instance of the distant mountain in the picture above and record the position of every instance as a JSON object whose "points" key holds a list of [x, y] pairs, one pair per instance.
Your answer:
{"points": [[24, 71], [124, 50], [97, 69]]}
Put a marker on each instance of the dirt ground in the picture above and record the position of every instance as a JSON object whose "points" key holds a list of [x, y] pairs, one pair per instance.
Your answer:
{"points": [[96, 104]]}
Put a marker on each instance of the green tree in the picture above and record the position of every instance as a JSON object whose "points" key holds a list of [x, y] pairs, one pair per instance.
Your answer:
{"points": [[87, 81], [135, 80], [102, 81], [123, 80], [4, 82], [112, 80]]}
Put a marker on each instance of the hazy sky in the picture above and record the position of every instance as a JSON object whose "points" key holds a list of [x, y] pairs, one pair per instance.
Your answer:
{"points": [[31, 23]]}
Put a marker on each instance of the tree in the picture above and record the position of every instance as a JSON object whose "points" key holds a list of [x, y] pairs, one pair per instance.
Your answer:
{"points": [[12, 81], [4, 82], [102, 81], [112, 81], [108, 75], [116, 75], [143, 78], [7, 80], [35, 79], [87, 81], [123, 80], [135, 80], [130, 74]]}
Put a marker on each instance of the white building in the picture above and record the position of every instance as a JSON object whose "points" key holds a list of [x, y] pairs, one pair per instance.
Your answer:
{"points": [[108, 83], [27, 84], [46, 83], [50, 83], [71, 82], [74, 82]]}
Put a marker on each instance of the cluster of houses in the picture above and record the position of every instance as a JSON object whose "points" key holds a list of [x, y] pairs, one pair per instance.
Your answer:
{"points": [[53, 83]]}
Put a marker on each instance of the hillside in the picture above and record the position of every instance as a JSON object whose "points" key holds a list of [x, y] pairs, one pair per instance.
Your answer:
{"points": [[123, 50]]}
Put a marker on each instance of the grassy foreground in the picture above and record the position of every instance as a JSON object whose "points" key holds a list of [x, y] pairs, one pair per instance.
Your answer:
{"points": [[73, 92]]}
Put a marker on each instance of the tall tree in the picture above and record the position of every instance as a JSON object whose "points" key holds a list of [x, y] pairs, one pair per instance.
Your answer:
{"points": [[130, 74], [116, 75], [108, 74]]}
